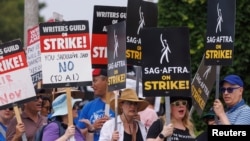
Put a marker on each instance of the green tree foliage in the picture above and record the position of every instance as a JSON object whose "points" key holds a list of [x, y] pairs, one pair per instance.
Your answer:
{"points": [[12, 19], [192, 14]]}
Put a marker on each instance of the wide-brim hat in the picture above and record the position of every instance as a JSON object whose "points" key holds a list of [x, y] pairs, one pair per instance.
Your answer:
{"points": [[188, 98], [129, 95], [59, 105]]}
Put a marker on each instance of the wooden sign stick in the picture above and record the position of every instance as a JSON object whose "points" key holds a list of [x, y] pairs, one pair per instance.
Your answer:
{"points": [[19, 120]]}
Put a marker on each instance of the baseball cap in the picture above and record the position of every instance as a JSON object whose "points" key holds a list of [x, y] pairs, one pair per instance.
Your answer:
{"points": [[209, 114], [59, 105], [97, 72], [233, 79]]}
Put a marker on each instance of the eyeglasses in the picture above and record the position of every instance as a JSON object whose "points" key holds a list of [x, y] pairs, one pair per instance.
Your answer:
{"points": [[229, 89], [11, 109], [179, 102], [130, 103]]}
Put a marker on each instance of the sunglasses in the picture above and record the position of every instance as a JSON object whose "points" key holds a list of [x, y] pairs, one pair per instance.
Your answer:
{"points": [[229, 89], [179, 102], [11, 109], [130, 103]]}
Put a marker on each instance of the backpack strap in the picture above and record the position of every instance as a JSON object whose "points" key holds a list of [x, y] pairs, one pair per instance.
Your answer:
{"points": [[39, 134], [61, 129]]}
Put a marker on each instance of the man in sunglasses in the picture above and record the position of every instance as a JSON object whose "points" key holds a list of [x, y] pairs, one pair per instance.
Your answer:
{"points": [[237, 111], [31, 121]]}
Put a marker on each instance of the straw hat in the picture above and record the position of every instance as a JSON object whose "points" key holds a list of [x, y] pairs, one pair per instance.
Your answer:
{"points": [[129, 95]]}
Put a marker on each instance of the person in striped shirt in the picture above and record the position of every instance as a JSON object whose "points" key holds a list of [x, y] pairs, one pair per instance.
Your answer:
{"points": [[236, 111]]}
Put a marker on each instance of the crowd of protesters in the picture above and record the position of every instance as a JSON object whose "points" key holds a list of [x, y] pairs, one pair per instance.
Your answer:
{"points": [[136, 118]]}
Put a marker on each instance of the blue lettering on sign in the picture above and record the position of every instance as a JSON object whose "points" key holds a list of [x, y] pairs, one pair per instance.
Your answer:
{"points": [[66, 66]]}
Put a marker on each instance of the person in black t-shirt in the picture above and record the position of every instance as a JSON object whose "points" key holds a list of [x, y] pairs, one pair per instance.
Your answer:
{"points": [[183, 127]]}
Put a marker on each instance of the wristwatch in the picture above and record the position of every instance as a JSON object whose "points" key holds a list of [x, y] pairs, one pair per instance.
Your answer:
{"points": [[161, 136]]}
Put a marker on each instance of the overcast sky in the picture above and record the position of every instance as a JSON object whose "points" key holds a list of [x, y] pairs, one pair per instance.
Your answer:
{"points": [[75, 9]]}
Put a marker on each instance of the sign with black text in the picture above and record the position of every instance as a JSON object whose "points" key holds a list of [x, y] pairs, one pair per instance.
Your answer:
{"points": [[166, 62], [202, 85], [220, 32], [140, 14], [103, 17], [33, 54], [65, 54], [117, 64], [15, 81]]}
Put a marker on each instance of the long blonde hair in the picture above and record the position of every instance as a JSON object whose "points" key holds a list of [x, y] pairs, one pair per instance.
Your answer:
{"points": [[187, 122]]}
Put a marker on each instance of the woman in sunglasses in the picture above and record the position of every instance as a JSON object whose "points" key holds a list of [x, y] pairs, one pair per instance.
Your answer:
{"points": [[183, 128], [129, 128]]}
